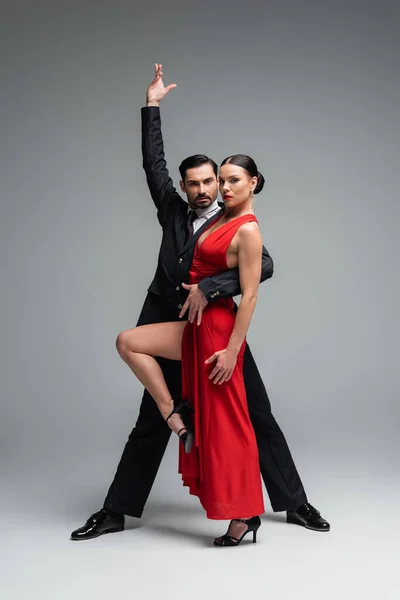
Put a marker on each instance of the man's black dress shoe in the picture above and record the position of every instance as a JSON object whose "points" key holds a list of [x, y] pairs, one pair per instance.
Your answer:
{"points": [[309, 517], [98, 524]]}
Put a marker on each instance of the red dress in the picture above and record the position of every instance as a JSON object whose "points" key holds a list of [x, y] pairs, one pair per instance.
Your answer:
{"points": [[223, 467]]}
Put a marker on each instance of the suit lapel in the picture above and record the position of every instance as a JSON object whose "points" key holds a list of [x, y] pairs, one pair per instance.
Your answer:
{"points": [[193, 239]]}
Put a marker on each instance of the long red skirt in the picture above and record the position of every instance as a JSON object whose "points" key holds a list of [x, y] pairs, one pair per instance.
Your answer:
{"points": [[223, 466]]}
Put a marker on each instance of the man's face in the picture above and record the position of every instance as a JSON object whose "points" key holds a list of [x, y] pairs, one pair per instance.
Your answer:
{"points": [[200, 186]]}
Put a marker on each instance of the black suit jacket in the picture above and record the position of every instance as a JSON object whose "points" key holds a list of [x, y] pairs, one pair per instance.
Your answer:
{"points": [[175, 256]]}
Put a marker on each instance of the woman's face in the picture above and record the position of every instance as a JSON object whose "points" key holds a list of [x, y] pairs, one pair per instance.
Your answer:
{"points": [[235, 185]]}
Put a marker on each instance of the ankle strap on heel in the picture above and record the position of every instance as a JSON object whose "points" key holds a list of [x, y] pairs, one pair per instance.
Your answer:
{"points": [[242, 520]]}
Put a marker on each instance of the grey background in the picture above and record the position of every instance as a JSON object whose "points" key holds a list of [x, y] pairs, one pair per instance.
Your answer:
{"points": [[311, 91]]}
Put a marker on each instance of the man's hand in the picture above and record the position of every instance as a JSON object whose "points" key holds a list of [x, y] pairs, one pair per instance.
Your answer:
{"points": [[195, 302], [156, 90], [226, 362]]}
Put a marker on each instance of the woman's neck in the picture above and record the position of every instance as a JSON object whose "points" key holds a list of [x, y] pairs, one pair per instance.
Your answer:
{"points": [[246, 208]]}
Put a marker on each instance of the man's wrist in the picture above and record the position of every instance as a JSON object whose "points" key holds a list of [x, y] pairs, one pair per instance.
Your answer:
{"points": [[152, 103], [198, 289], [204, 288]]}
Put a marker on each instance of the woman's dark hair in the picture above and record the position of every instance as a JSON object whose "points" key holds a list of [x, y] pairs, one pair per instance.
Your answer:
{"points": [[248, 164], [196, 161]]}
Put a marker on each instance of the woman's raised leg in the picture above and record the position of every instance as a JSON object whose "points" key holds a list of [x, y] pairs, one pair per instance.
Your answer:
{"points": [[138, 347]]}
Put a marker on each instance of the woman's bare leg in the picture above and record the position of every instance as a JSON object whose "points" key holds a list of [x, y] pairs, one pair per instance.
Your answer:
{"points": [[138, 346]]}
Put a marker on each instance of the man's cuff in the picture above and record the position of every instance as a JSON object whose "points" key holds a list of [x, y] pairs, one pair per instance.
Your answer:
{"points": [[208, 290], [149, 109]]}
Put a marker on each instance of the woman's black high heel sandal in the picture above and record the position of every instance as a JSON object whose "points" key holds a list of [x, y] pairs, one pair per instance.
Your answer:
{"points": [[185, 412], [253, 525]]}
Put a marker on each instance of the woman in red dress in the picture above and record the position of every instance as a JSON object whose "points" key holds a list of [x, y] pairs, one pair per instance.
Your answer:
{"points": [[221, 467]]}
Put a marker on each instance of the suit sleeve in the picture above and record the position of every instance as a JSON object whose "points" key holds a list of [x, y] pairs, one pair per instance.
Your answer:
{"points": [[161, 187], [227, 284]]}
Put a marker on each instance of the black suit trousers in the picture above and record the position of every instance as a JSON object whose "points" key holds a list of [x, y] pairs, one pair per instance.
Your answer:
{"points": [[148, 440]]}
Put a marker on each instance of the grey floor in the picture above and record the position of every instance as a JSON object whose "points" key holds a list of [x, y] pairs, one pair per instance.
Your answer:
{"points": [[168, 553]]}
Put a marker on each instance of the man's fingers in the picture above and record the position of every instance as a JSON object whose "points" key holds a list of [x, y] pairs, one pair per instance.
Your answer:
{"points": [[184, 309], [170, 87], [199, 315], [158, 72], [192, 313]]}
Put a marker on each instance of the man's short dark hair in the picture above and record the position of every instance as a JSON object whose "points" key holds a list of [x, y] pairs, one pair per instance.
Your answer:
{"points": [[196, 161]]}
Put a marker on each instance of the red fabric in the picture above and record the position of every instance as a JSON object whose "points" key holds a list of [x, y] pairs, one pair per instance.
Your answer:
{"points": [[223, 467]]}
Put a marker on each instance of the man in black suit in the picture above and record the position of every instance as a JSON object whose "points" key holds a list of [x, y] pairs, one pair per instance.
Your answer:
{"points": [[167, 300]]}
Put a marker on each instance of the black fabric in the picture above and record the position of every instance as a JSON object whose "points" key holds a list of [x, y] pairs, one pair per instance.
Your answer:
{"points": [[192, 216], [176, 250], [147, 442]]}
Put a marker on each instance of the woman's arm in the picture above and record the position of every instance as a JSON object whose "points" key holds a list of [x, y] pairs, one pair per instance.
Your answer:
{"points": [[223, 285], [227, 283], [249, 263]]}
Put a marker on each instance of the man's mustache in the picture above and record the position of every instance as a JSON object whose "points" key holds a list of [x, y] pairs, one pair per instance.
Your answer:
{"points": [[203, 197]]}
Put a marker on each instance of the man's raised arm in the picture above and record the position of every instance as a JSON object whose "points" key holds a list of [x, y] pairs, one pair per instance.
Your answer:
{"points": [[160, 184]]}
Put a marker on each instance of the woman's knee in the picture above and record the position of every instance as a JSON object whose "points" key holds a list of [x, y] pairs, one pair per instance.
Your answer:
{"points": [[123, 342], [161, 339]]}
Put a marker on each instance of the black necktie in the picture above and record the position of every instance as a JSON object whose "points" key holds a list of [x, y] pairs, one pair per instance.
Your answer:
{"points": [[192, 216]]}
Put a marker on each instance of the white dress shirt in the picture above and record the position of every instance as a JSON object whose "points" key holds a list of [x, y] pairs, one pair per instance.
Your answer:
{"points": [[204, 214]]}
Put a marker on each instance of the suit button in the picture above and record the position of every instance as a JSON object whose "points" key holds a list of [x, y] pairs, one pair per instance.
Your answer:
{"points": [[180, 260], [217, 293], [177, 288], [179, 306]]}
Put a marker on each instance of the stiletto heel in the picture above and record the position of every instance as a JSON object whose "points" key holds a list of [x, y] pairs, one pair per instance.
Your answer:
{"points": [[185, 412], [253, 525]]}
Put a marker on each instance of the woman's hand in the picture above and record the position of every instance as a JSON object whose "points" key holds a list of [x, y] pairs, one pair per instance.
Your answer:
{"points": [[156, 90], [226, 362]]}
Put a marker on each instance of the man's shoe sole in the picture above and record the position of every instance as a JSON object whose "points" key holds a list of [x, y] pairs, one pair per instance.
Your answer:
{"points": [[297, 521], [92, 537]]}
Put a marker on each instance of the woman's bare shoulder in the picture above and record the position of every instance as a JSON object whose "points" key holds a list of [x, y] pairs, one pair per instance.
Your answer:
{"points": [[249, 232]]}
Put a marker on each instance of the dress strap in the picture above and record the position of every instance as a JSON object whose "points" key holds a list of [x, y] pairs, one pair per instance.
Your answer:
{"points": [[228, 230]]}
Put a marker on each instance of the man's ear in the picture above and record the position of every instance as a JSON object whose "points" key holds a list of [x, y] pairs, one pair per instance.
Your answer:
{"points": [[182, 186]]}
